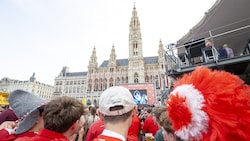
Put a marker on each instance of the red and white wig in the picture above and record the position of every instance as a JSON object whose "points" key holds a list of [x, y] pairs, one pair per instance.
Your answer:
{"points": [[210, 106]]}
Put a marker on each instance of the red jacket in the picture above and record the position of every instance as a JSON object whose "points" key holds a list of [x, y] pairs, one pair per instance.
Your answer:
{"points": [[94, 130], [45, 135], [134, 129], [149, 126], [5, 136]]}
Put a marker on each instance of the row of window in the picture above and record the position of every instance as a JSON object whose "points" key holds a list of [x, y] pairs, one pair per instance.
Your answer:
{"points": [[70, 90], [102, 85], [71, 82], [122, 71]]}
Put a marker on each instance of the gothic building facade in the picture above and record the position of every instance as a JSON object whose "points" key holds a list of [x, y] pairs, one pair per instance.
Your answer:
{"points": [[135, 69]]}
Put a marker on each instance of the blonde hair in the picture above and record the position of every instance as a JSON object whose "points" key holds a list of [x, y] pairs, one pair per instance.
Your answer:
{"points": [[225, 45]]}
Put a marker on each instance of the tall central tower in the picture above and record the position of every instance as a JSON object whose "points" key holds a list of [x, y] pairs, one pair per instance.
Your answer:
{"points": [[136, 69]]}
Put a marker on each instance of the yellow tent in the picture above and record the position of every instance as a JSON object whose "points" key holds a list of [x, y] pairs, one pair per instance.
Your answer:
{"points": [[3, 98]]}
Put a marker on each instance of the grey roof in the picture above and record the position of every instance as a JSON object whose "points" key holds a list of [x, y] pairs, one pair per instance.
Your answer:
{"points": [[120, 62], [124, 62], [225, 16], [72, 74], [151, 60], [104, 63]]}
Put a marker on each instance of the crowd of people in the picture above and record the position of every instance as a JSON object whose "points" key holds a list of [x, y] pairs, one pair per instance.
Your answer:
{"points": [[194, 110], [223, 52]]}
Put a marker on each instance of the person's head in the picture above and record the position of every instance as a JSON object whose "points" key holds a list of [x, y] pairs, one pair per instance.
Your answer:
{"points": [[168, 132], [137, 95], [208, 43], [157, 111], [116, 105], [86, 110], [147, 112], [225, 46], [93, 111], [63, 114], [28, 108]]}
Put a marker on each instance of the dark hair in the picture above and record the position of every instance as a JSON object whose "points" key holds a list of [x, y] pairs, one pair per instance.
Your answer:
{"points": [[93, 112], [149, 110], [61, 113]]}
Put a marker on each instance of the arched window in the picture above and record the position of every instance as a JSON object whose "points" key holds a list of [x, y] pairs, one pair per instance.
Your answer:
{"points": [[123, 80], [146, 78], [157, 84], [78, 89], [105, 83], [89, 85], [100, 84], [136, 78], [118, 80], [151, 78], [96, 85], [66, 90], [135, 48], [111, 82], [70, 89]]}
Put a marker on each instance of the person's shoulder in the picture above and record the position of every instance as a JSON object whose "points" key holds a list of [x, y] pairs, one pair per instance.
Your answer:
{"points": [[6, 136], [106, 138], [97, 123], [158, 133]]}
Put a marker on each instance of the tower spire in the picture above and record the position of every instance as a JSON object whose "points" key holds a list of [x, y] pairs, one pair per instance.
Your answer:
{"points": [[136, 59], [112, 57], [93, 60], [135, 41]]}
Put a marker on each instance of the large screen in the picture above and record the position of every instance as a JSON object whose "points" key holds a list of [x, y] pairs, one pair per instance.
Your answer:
{"points": [[142, 93], [140, 96]]}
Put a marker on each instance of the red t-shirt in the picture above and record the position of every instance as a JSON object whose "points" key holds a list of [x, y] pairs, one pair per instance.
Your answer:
{"points": [[5, 136], [94, 130], [45, 135], [134, 129], [149, 126]]}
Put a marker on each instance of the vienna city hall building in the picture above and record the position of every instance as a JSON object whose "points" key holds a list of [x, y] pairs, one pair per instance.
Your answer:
{"points": [[136, 69]]}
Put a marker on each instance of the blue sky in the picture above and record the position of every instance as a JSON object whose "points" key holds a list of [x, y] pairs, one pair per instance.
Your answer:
{"points": [[42, 36]]}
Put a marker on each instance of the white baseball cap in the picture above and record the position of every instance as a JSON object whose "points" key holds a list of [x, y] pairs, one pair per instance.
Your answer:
{"points": [[116, 100]]}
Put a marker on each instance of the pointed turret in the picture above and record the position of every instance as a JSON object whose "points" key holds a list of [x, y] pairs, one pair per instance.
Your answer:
{"points": [[161, 57], [112, 57], [93, 61]]}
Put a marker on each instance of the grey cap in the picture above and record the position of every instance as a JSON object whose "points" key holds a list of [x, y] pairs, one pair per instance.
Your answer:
{"points": [[25, 105]]}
